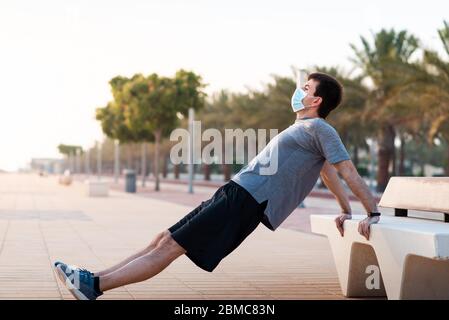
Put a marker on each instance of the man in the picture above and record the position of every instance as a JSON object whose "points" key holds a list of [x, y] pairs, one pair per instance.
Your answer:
{"points": [[302, 152]]}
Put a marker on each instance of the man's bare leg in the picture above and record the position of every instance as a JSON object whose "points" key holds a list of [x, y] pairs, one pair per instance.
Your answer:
{"points": [[143, 252], [145, 266]]}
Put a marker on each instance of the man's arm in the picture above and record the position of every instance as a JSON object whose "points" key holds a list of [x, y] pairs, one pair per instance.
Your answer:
{"points": [[356, 184], [361, 191], [333, 183]]}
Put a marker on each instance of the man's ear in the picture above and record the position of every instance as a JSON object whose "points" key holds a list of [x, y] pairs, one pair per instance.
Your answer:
{"points": [[317, 101]]}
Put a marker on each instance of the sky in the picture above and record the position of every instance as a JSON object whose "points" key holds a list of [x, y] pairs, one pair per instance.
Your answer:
{"points": [[57, 56]]}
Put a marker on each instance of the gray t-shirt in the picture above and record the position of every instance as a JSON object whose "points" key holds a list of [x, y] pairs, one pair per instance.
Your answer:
{"points": [[297, 155]]}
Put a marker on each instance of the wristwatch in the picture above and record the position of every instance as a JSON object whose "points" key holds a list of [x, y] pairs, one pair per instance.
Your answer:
{"points": [[373, 214]]}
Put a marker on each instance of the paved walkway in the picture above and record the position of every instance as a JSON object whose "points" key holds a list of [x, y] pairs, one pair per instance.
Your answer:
{"points": [[41, 221]]}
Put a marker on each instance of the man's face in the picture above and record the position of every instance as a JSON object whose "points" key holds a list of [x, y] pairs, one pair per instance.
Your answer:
{"points": [[310, 100]]}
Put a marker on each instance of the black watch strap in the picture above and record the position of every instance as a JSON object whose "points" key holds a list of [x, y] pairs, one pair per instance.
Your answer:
{"points": [[373, 214]]}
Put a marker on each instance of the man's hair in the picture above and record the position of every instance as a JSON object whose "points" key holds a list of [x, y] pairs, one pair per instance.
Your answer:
{"points": [[330, 91]]}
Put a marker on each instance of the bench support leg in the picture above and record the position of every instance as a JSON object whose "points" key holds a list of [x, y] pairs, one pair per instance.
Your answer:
{"points": [[356, 264], [365, 278], [425, 278]]}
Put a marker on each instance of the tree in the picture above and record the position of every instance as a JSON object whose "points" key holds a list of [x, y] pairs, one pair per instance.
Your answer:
{"points": [[349, 118], [428, 85], [69, 151], [153, 103], [217, 114], [377, 61], [112, 117], [439, 91]]}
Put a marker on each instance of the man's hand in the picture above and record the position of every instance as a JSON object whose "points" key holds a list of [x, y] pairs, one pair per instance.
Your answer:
{"points": [[364, 226], [340, 220], [361, 190]]}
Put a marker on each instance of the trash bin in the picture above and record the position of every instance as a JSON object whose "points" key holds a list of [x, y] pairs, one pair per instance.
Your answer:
{"points": [[130, 181]]}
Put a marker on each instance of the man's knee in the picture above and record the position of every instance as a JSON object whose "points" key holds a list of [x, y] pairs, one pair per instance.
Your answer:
{"points": [[168, 243], [153, 244]]}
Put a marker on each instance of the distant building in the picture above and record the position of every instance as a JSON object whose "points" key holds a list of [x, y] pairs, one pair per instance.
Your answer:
{"points": [[47, 165]]}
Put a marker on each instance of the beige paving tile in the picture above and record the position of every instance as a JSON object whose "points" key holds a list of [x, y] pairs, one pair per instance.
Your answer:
{"points": [[41, 222]]}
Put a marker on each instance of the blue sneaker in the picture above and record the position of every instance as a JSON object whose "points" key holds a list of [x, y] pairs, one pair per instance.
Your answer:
{"points": [[64, 271], [80, 282]]}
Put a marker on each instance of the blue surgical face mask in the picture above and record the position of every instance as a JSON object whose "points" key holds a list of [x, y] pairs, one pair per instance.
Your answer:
{"points": [[297, 98]]}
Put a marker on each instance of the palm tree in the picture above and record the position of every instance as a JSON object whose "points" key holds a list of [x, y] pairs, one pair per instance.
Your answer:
{"points": [[218, 114], [439, 90], [349, 120], [376, 61]]}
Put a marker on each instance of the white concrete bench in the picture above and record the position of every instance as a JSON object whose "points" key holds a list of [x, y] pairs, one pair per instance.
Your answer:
{"points": [[405, 258], [97, 188]]}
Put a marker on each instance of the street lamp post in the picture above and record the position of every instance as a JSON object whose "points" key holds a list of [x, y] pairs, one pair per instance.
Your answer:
{"points": [[78, 161], [116, 160], [87, 163], [99, 160], [372, 153], [144, 163], [72, 163], [191, 140]]}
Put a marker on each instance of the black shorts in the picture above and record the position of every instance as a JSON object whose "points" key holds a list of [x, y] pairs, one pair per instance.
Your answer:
{"points": [[218, 226]]}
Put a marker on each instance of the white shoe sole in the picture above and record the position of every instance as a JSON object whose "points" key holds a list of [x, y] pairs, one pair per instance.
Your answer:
{"points": [[69, 285]]}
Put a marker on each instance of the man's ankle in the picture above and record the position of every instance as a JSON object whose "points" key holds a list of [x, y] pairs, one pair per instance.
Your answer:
{"points": [[97, 285]]}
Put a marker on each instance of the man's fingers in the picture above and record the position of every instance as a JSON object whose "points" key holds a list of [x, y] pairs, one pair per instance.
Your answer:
{"points": [[340, 228], [362, 228], [339, 225], [366, 231], [365, 227]]}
